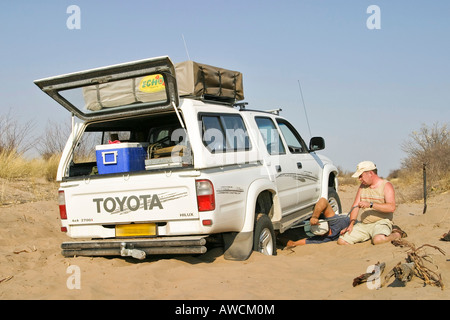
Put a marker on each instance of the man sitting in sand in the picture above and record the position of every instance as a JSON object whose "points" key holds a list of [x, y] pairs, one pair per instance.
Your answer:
{"points": [[376, 199], [335, 223]]}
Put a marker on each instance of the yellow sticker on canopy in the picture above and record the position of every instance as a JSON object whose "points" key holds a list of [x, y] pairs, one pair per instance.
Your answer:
{"points": [[153, 83]]}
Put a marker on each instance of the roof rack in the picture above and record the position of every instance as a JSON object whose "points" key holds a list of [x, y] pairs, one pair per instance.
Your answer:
{"points": [[241, 105], [211, 99], [275, 111]]}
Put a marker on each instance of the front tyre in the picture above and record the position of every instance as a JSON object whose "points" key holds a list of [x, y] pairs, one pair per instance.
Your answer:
{"points": [[264, 240], [334, 200]]}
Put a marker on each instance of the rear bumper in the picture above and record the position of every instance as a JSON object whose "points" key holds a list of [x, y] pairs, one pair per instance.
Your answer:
{"points": [[136, 247]]}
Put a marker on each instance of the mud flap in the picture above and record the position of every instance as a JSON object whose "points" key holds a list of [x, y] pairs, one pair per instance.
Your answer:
{"points": [[238, 246]]}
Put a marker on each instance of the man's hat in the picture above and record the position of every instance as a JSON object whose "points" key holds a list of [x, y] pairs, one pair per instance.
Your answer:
{"points": [[363, 167]]}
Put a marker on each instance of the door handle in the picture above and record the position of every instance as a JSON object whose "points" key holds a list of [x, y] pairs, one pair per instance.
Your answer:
{"points": [[278, 168], [299, 165]]}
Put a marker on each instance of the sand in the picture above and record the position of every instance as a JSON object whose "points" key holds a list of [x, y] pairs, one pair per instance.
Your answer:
{"points": [[31, 266]]}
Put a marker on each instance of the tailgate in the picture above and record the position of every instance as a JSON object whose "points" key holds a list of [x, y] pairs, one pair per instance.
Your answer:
{"points": [[137, 198], [132, 88]]}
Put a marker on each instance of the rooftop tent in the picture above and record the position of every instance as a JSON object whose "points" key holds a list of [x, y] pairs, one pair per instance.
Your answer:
{"points": [[204, 81]]}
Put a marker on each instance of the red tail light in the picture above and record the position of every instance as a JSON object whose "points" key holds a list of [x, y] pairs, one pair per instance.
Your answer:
{"points": [[62, 205], [205, 195]]}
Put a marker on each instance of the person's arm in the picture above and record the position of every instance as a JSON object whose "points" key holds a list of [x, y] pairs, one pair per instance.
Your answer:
{"points": [[353, 212]]}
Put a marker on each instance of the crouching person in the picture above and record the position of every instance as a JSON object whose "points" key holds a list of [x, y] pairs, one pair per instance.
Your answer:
{"points": [[376, 201]]}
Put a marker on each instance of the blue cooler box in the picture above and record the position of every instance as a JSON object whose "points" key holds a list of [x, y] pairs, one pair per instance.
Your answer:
{"points": [[120, 157]]}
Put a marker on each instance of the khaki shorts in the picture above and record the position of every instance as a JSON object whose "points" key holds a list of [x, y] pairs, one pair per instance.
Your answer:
{"points": [[365, 231]]}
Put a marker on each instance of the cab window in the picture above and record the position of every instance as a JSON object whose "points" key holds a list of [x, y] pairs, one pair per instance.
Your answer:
{"points": [[223, 133], [294, 141], [270, 135]]}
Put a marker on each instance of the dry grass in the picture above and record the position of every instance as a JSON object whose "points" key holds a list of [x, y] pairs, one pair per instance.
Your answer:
{"points": [[14, 166], [23, 180], [345, 177], [409, 186]]}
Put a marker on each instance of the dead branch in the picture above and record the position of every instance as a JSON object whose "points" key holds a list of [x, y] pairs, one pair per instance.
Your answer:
{"points": [[6, 279], [415, 265]]}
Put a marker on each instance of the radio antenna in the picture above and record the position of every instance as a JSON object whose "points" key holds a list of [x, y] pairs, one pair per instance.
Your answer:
{"points": [[304, 108], [185, 47]]}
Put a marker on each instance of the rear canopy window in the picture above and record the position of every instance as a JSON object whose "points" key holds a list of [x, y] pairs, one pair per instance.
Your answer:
{"points": [[223, 133], [134, 88], [118, 95]]}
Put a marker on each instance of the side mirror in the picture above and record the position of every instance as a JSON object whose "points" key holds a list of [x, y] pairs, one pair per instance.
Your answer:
{"points": [[316, 144]]}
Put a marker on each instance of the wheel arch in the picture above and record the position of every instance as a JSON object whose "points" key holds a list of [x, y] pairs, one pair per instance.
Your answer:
{"points": [[329, 179], [262, 196]]}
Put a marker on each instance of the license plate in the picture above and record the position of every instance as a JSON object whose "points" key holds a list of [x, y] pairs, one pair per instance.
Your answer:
{"points": [[136, 230]]}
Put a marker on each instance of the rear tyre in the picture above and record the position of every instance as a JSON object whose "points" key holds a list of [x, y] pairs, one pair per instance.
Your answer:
{"points": [[264, 240]]}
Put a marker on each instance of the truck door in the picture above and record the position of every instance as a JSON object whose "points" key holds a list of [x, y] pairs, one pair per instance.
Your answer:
{"points": [[280, 163], [307, 169]]}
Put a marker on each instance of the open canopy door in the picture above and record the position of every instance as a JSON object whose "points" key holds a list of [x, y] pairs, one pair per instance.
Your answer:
{"points": [[132, 88]]}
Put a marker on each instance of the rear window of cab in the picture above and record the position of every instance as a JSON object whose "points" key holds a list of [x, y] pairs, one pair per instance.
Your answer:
{"points": [[224, 133]]}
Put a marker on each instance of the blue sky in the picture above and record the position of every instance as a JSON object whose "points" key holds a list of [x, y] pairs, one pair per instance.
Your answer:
{"points": [[365, 90]]}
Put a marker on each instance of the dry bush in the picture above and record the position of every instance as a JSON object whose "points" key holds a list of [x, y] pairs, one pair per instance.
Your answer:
{"points": [[53, 141], [14, 143], [14, 135], [430, 146]]}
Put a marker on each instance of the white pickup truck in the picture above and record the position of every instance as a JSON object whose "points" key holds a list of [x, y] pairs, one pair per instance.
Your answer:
{"points": [[148, 170]]}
